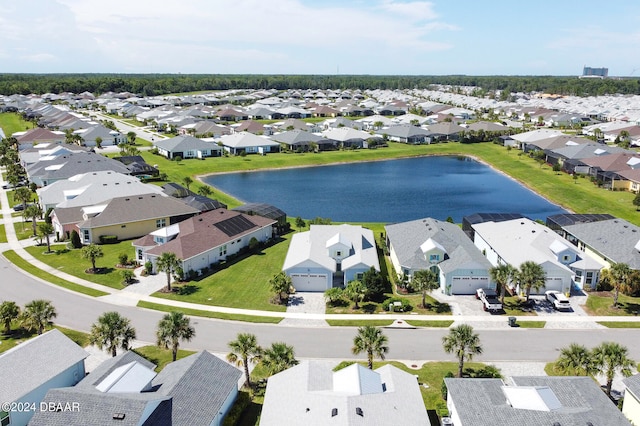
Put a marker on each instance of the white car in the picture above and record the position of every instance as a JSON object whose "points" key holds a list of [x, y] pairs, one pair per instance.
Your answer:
{"points": [[558, 300]]}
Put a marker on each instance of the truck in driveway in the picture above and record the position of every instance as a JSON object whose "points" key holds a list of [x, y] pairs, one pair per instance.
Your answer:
{"points": [[489, 299]]}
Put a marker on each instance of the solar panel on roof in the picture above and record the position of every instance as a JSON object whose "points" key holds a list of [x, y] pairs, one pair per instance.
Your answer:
{"points": [[234, 225]]}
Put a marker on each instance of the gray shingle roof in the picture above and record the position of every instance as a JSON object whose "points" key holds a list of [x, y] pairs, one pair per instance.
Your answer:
{"points": [[185, 143], [74, 164], [481, 402], [52, 353]]}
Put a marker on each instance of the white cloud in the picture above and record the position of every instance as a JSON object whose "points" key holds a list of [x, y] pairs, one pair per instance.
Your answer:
{"points": [[38, 57], [415, 11]]}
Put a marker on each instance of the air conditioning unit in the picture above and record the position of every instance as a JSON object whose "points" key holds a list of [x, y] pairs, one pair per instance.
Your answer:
{"points": [[446, 421]]}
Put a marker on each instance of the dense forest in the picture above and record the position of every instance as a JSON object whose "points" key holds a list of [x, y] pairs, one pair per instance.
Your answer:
{"points": [[159, 84]]}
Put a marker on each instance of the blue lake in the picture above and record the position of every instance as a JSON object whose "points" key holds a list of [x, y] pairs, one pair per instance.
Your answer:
{"points": [[388, 191]]}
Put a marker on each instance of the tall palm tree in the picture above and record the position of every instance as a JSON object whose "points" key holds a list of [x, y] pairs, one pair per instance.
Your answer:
{"points": [[619, 274], [91, 253], [370, 340], [37, 314], [173, 328], [187, 182], [611, 357], [8, 312], [278, 357], [502, 275], [244, 350], [531, 276], [576, 360], [33, 212], [167, 262], [46, 229], [112, 330], [462, 342], [423, 281], [22, 194], [356, 291]]}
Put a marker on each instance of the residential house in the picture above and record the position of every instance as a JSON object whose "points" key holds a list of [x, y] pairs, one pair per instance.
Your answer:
{"points": [[445, 131], [248, 143], [30, 138], [108, 137], [406, 133], [196, 390], [187, 147], [204, 240], [312, 394], [347, 137], [530, 401], [204, 128], [91, 188], [520, 240], [54, 168], [330, 255], [137, 166], [44, 151], [567, 154], [265, 210], [254, 127], [631, 402], [123, 217], [608, 168], [302, 140], [441, 247], [31, 368]]}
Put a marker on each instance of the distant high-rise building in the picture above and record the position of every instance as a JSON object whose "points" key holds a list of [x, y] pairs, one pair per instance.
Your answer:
{"points": [[595, 72]]}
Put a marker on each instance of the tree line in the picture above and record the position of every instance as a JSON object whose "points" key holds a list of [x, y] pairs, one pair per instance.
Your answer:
{"points": [[160, 84]]}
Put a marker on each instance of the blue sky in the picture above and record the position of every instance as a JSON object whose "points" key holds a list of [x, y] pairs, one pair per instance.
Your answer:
{"points": [[473, 37]]}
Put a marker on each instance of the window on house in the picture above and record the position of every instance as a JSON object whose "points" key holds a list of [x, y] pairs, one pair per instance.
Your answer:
{"points": [[589, 278], [566, 258], [338, 253], [161, 223], [434, 257], [359, 276], [86, 235], [223, 250], [139, 254]]}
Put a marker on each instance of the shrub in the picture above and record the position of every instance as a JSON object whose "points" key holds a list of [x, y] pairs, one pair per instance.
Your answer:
{"points": [[123, 259], [108, 239], [178, 273], [127, 276], [334, 295], [75, 240], [443, 387], [254, 243], [242, 402], [148, 267], [405, 305]]}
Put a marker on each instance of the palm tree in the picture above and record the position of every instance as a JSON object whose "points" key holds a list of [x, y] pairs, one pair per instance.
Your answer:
{"points": [[244, 349], [278, 357], [619, 274], [33, 212], [205, 190], [168, 262], [611, 357], [370, 340], [462, 342], [172, 328], [356, 292], [280, 284], [37, 314], [502, 275], [131, 136], [46, 229], [112, 330], [576, 360], [531, 276], [91, 252], [98, 142], [22, 194], [423, 281], [187, 182], [8, 312]]}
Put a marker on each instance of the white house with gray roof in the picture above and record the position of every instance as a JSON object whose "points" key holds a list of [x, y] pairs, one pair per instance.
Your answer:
{"points": [[530, 401], [186, 146], [441, 247], [520, 240], [312, 394], [328, 254], [30, 369]]}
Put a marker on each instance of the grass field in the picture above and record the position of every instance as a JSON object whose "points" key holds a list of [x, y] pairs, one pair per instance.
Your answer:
{"points": [[71, 262], [19, 335], [209, 314], [24, 230], [431, 323], [3, 234], [12, 122], [19, 262], [600, 304], [360, 323], [160, 357], [531, 324], [620, 324]]}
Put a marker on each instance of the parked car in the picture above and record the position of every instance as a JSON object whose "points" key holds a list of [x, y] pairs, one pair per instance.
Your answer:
{"points": [[489, 298], [20, 207], [17, 185], [558, 300]]}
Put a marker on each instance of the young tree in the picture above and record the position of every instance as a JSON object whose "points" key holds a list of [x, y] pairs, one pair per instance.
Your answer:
{"points": [[356, 292], [375, 283], [9, 311], [423, 281], [173, 328], [502, 275], [33, 212], [131, 136], [91, 253], [333, 295], [187, 182], [300, 223], [168, 262], [45, 230], [575, 360], [98, 142], [281, 285], [244, 350], [37, 314], [111, 331], [75, 239], [531, 276], [462, 342], [370, 340], [619, 274], [127, 276], [612, 357], [636, 201], [205, 190], [278, 357]]}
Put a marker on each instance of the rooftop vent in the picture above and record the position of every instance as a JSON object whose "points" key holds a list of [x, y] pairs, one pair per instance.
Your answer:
{"points": [[359, 412], [118, 416], [334, 412]]}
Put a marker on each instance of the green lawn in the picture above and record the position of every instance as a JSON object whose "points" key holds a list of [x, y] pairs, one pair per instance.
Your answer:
{"points": [[19, 335], [24, 230], [160, 357], [531, 324], [600, 304], [431, 323], [12, 122], [12, 257], [72, 263], [3, 234], [513, 306], [209, 314], [620, 324], [242, 284], [360, 323], [133, 122]]}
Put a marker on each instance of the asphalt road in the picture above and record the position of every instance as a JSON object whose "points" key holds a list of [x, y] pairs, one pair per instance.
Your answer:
{"points": [[79, 312]]}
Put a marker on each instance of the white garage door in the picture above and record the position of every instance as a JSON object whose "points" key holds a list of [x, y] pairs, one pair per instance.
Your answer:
{"points": [[309, 282], [468, 284]]}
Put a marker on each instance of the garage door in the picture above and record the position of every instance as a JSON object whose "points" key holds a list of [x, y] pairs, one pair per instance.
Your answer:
{"points": [[468, 284], [309, 282]]}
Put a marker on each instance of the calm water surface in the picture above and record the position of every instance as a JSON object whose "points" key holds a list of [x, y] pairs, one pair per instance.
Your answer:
{"points": [[388, 191]]}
